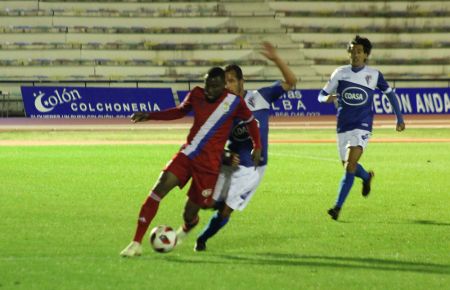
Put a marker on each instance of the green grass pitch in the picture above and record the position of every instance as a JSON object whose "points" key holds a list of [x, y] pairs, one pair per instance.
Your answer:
{"points": [[67, 211]]}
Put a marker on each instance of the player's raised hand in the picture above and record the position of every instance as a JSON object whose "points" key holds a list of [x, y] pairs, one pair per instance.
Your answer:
{"points": [[269, 51], [400, 126], [256, 156], [139, 117]]}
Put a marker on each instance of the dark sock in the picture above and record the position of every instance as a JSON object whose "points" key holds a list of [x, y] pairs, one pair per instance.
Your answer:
{"points": [[219, 205], [214, 225], [361, 172]]}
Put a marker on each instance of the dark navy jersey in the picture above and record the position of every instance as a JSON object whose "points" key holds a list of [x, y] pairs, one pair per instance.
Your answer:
{"points": [[355, 90], [259, 102]]}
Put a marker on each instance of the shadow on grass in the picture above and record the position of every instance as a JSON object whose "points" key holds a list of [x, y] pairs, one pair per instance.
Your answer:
{"points": [[419, 222], [428, 222], [294, 260]]}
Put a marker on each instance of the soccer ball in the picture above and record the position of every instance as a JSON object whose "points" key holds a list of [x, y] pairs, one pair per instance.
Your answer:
{"points": [[163, 239]]}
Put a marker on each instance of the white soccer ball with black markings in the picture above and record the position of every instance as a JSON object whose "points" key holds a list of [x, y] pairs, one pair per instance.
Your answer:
{"points": [[163, 239]]}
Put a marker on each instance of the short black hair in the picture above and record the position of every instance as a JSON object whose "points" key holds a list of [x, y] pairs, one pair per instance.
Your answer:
{"points": [[215, 72], [367, 46], [237, 70]]}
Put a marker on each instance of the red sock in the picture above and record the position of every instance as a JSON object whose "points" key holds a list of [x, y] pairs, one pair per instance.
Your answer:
{"points": [[146, 215]]}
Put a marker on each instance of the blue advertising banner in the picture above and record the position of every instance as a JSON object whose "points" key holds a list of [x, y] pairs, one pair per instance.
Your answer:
{"points": [[301, 103], [293, 103], [181, 96], [411, 101], [81, 102], [416, 101]]}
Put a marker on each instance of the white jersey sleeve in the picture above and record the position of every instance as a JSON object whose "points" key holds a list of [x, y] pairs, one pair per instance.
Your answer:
{"points": [[330, 87], [332, 84]]}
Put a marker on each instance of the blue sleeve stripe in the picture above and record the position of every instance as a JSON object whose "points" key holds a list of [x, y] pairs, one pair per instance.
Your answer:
{"points": [[395, 105]]}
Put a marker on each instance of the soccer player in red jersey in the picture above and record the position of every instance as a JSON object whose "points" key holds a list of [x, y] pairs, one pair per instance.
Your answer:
{"points": [[200, 157]]}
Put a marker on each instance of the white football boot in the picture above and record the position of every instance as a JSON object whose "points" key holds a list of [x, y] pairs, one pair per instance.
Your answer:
{"points": [[132, 250], [181, 235]]}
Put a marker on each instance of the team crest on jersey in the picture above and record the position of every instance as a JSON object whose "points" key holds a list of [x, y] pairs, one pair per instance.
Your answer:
{"points": [[368, 79], [226, 106], [251, 101], [240, 132], [207, 192]]}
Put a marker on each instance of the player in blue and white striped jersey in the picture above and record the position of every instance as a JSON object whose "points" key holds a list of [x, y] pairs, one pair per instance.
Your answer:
{"points": [[351, 88], [236, 186]]}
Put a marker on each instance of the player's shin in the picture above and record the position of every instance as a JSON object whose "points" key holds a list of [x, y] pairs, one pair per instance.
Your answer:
{"points": [[361, 172], [184, 230], [344, 188], [148, 212], [189, 225], [215, 224]]}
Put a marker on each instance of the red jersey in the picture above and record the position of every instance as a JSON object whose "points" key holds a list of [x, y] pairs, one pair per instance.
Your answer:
{"points": [[212, 125]]}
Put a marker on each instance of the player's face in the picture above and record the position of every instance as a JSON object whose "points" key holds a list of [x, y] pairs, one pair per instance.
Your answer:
{"points": [[233, 84], [214, 87], [357, 55]]}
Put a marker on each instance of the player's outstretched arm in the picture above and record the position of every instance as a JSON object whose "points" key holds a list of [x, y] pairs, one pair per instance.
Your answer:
{"points": [[140, 117], [270, 53], [168, 114]]}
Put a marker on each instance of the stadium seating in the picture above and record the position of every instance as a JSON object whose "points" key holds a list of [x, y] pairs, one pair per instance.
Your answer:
{"points": [[148, 39], [410, 38]]}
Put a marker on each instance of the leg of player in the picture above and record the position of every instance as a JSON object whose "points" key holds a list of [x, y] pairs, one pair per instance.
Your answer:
{"points": [[166, 182], [366, 176], [217, 221], [353, 155], [191, 219]]}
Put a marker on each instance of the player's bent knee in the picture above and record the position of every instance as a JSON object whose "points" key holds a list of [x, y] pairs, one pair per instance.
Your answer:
{"points": [[350, 166], [225, 215], [225, 212]]}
